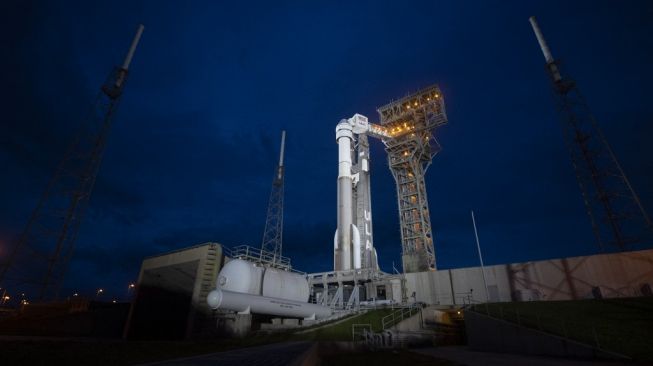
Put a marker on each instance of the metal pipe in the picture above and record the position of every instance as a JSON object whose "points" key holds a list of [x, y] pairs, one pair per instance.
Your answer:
{"points": [[540, 39], [132, 49]]}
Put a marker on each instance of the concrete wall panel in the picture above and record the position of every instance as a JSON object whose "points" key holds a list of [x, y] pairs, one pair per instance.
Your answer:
{"points": [[616, 274]]}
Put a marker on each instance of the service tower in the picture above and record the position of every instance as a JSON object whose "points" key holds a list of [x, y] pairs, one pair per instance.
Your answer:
{"points": [[410, 122]]}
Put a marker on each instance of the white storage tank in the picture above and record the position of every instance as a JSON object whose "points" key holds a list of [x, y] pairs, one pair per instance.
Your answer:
{"points": [[241, 276], [285, 285], [221, 299], [247, 278]]}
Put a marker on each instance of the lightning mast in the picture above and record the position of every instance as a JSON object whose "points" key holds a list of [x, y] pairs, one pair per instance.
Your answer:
{"points": [[39, 260], [617, 216], [273, 233]]}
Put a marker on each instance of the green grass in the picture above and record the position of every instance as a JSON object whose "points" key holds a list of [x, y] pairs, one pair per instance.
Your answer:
{"points": [[342, 331], [620, 325]]}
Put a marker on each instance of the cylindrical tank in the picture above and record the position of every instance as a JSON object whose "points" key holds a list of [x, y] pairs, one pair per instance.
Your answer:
{"points": [[285, 285], [241, 276], [265, 305]]}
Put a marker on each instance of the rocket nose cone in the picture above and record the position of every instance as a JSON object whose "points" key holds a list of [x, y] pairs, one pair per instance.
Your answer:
{"points": [[214, 299]]}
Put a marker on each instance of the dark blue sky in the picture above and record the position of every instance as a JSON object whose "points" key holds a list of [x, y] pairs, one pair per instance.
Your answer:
{"points": [[192, 151]]}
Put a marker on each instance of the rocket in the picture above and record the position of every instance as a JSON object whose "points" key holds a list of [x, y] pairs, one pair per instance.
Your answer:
{"points": [[354, 214], [346, 241]]}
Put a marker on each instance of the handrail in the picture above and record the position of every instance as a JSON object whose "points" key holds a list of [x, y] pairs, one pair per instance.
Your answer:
{"points": [[362, 330], [258, 255], [399, 315]]}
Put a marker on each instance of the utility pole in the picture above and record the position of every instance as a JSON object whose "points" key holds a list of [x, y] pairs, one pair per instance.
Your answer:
{"points": [[480, 257]]}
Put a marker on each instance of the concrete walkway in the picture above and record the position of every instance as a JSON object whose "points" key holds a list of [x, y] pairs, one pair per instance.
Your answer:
{"points": [[465, 356], [276, 354]]}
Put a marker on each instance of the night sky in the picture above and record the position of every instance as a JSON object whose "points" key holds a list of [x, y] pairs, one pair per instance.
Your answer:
{"points": [[193, 148]]}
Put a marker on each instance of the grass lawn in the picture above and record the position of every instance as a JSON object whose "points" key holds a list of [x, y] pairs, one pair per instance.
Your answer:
{"points": [[342, 331], [620, 325]]}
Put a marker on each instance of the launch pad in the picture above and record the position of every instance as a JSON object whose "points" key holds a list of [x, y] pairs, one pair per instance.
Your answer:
{"points": [[406, 128]]}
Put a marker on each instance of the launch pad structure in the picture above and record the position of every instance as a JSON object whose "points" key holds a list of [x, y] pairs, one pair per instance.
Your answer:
{"points": [[406, 129], [258, 290]]}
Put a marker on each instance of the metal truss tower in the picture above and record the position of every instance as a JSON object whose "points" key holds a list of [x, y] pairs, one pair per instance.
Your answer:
{"points": [[411, 121], [273, 232], [617, 216], [39, 261]]}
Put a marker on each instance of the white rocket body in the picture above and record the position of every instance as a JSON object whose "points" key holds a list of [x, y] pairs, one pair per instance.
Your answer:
{"points": [[353, 246], [343, 240]]}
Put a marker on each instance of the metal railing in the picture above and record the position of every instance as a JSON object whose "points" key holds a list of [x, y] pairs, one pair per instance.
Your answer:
{"points": [[360, 331], [256, 255], [399, 315]]}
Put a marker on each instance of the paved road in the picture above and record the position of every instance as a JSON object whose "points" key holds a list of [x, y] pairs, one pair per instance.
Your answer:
{"points": [[276, 354], [467, 357]]}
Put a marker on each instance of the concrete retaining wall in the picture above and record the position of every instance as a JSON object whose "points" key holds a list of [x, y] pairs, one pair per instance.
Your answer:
{"points": [[624, 274]]}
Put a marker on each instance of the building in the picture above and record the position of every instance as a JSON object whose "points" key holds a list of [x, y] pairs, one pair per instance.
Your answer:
{"points": [[170, 299]]}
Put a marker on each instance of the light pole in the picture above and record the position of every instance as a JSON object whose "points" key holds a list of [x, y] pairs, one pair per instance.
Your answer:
{"points": [[480, 256], [98, 293]]}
